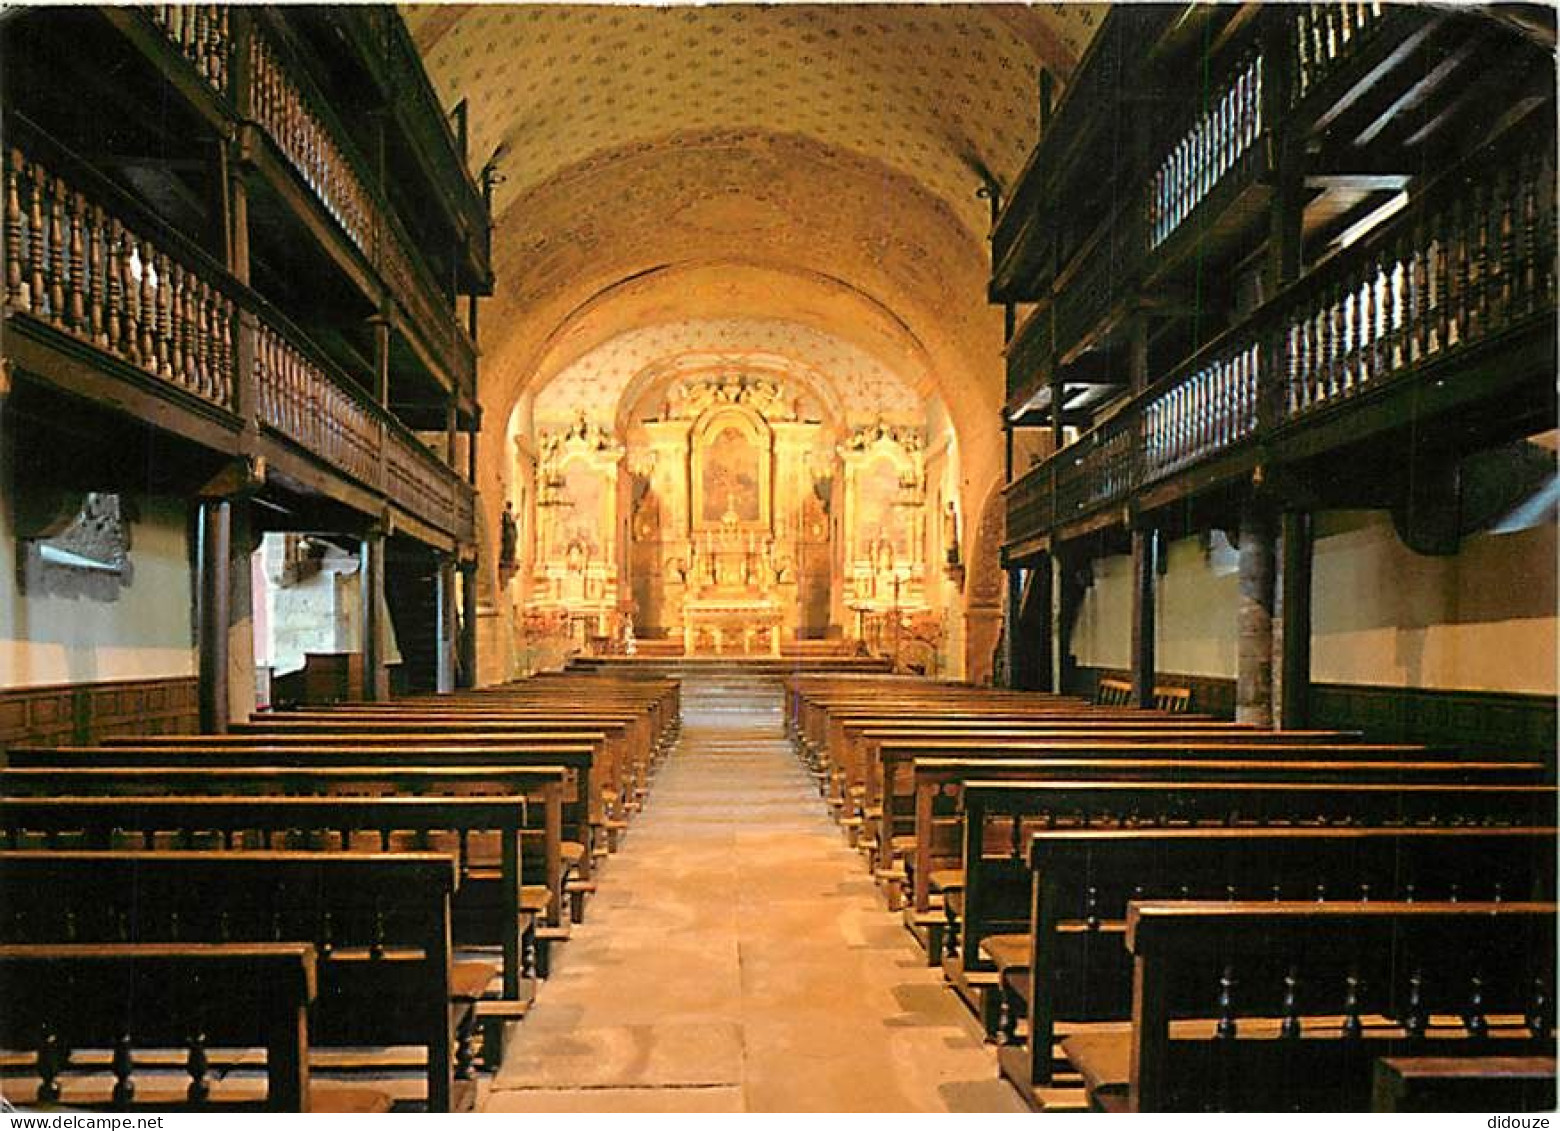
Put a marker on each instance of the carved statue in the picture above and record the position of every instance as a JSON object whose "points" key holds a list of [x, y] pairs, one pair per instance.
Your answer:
{"points": [[509, 537], [951, 533]]}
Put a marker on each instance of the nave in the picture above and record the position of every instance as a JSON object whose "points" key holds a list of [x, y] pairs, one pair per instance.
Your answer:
{"points": [[737, 958]]}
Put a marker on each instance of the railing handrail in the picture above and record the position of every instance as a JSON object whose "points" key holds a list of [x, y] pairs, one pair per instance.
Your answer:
{"points": [[1277, 311], [26, 137]]}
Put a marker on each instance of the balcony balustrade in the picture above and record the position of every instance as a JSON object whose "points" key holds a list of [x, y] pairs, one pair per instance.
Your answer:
{"points": [[305, 132], [1469, 259], [86, 261]]}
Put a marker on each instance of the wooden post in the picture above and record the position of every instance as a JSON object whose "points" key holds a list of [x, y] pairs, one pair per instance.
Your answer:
{"points": [[1013, 627], [1254, 644], [214, 541], [445, 626], [1145, 570], [468, 624], [1065, 601], [451, 431], [381, 325], [1295, 622], [371, 574]]}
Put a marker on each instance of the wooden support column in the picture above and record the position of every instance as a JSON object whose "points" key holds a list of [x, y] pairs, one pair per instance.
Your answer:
{"points": [[1145, 576], [468, 624], [1294, 664], [381, 324], [1067, 597], [471, 447], [371, 574], [445, 623], [451, 431], [1012, 627], [1035, 636], [1254, 642], [214, 544]]}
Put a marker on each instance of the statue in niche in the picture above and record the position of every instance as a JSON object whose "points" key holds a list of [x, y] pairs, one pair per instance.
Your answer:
{"points": [[509, 537], [951, 533]]}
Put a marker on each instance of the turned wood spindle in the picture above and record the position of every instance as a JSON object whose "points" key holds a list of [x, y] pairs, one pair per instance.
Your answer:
{"points": [[15, 241], [38, 246], [1289, 1027], [1227, 1029], [59, 263], [123, 1067], [49, 1063], [1353, 1025]]}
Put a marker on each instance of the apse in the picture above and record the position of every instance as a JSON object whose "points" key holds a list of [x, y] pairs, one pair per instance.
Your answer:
{"points": [[735, 487]]}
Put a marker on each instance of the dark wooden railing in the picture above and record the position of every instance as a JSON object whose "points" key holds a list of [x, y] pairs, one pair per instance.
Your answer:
{"points": [[1325, 38], [88, 261], [1469, 258], [305, 131], [116, 280], [202, 34], [1210, 148]]}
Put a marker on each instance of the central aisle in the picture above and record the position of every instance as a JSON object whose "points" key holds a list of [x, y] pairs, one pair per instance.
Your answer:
{"points": [[737, 956]]}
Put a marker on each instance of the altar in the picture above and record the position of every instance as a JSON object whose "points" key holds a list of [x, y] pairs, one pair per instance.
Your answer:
{"points": [[732, 628]]}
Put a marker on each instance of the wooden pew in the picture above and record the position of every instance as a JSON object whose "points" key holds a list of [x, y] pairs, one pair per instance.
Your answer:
{"points": [[545, 782], [410, 753], [1072, 968], [609, 780], [996, 893], [1286, 1006], [483, 914], [379, 922], [125, 996], [892, 796], [1463, 1084], [938, 781]]}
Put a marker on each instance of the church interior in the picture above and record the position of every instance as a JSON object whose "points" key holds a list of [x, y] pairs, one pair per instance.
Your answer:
{"points": [[798, 557]]}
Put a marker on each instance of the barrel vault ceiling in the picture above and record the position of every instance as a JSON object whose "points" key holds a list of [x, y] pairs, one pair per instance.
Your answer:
{"points": [[677, 178]]}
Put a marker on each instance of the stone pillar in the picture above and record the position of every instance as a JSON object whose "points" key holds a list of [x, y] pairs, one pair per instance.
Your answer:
{"points": [[468, 624], [1254, 643], [445, 626], [1294, 710], [214, 541], [1145, 570], [371, 574]]}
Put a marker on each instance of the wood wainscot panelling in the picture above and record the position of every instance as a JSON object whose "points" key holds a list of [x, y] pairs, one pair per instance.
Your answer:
{"points": [[62, 713], [1470, 722], [1475, 721]]}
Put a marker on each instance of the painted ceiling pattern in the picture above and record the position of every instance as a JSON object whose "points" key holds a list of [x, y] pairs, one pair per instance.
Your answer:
{"points": [[822, 158], [944, 93], [595, 384]]}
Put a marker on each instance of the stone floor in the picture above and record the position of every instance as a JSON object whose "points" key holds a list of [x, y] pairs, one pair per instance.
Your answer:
{"points": [[737, 956]]}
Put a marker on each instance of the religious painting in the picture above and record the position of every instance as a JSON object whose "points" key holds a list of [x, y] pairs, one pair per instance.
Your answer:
{"points": [[731, 470], [577, 525], [730, 479], [880, 527]]}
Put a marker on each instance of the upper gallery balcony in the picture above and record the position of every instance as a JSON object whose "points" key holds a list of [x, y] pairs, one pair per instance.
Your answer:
{"points": [[114, 304], [369, 168]]}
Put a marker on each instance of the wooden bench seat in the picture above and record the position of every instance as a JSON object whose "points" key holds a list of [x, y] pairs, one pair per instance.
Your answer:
{"points": [[331, 778], [1463, 1084], [379, 922], [61, 997], [1083, 880], [996, 897], [102, 822], [1303, 998]]}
